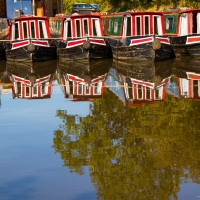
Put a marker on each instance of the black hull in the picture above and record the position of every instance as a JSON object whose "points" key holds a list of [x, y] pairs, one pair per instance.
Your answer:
{"points": [[180, 47], [140, 51], [2, 53], [79, 53], [40, 54]]}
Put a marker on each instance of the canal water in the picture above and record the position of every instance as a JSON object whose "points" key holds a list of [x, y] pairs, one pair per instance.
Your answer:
{"points": [[101, 130]]}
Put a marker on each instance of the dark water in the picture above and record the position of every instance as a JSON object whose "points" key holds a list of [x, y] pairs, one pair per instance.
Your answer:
{"points": [[104, 130]]}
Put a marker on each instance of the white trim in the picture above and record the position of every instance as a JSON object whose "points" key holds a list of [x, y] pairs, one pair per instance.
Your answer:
{"points": [[97, 26], [43, 28]]}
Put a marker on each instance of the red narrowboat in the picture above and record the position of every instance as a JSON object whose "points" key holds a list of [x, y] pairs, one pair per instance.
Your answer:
{"points": [[182, 26], [137, 35], [30, 40], [82, 37]]}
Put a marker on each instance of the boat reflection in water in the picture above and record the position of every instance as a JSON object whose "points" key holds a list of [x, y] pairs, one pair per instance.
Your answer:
{"points": [[185, 81], [139, 83], [81, 80], [31, 80]]}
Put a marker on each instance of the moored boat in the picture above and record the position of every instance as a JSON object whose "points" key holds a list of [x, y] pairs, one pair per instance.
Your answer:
{"points": [[82, 37], [137, 35], [30, 40], [182, 26]]}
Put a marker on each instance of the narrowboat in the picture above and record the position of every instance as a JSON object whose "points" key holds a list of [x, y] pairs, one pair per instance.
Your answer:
{"points": [[31, 80], [82, 37], [182, 26], [141, 83], [81, 82], [30, 40], [137, 35]]}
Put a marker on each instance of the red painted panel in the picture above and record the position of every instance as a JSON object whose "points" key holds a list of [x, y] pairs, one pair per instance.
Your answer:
{"points": [[97, 41], [141, 41], [75, 43], [40, 42], [20, 44], [193, 76]]}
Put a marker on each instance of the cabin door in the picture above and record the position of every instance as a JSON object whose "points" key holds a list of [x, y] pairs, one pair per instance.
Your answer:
{"points": [[184, 24], [198, 23], [127, 26]]}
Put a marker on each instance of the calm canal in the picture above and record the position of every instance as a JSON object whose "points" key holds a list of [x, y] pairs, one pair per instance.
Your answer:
{"points": [[104, 130]]}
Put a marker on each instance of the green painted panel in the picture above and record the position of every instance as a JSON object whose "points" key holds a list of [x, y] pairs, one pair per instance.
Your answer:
{"points": [[114, 25], [171, 23]]}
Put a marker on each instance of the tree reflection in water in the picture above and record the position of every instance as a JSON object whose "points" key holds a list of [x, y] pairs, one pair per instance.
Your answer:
{"points": [[141, 152]]}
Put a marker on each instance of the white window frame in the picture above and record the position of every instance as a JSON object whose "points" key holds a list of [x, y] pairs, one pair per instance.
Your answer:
{"points": [[183, 24], [136, 26], [34, 29], [97, 27], [80, 27], [145, 24], [85, 19], [159, 24], [13, 31], [43, 28], [24, 22], [68, 20]]}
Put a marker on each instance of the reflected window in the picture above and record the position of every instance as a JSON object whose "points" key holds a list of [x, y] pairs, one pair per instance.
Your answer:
{"points": [[27, 89], [130, 91], [44, 87], [140, 92], [148, 93], [87, 90], [80, 89]]}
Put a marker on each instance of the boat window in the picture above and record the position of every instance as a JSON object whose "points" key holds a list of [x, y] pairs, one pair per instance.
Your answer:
{"points": [[42, 29], [128, 32], [198, 23], [18, 89], [80, 88], [155, 25], [67, 30], [78, 28], [87, 90], [16, 31], [148, 93], [109, 25], [35, 90], [96, 27], [138, 26], [44, 88], [97, 88], [27, 89], [32, 29], [71, 87], [130, 91], [146, 21], [25, 30], [140, 91], [194, 24], [158, 93], [85, 27], [55, 26], [169, 23]]}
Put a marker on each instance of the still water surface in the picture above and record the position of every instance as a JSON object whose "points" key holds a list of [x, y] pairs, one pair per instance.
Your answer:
{"points": [[104, 130]]}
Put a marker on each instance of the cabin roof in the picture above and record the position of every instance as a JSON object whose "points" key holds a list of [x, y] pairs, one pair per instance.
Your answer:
{"points": [[29, 17], [180, 11]]}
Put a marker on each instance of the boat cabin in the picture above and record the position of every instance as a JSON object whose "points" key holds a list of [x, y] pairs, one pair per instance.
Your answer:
{"points": [[133, 23], [77, 26], [29, 27], [182, 22]]}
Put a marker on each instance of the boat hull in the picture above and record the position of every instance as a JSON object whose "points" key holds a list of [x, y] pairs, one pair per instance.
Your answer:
{"points": [[40, 54], [2, 53], [147, 49], [81, 53], [186, 45]]}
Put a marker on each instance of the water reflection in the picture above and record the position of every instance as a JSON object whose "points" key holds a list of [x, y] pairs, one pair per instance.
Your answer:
{"points": [[134, 152], [31, 80], [82, 80]]}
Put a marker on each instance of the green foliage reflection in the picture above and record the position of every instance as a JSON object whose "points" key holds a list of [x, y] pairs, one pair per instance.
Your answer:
{"points": [[133, 152]]}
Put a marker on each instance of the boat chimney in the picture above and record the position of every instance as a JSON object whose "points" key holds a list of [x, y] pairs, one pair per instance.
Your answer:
{"points": [[33, 7]]}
